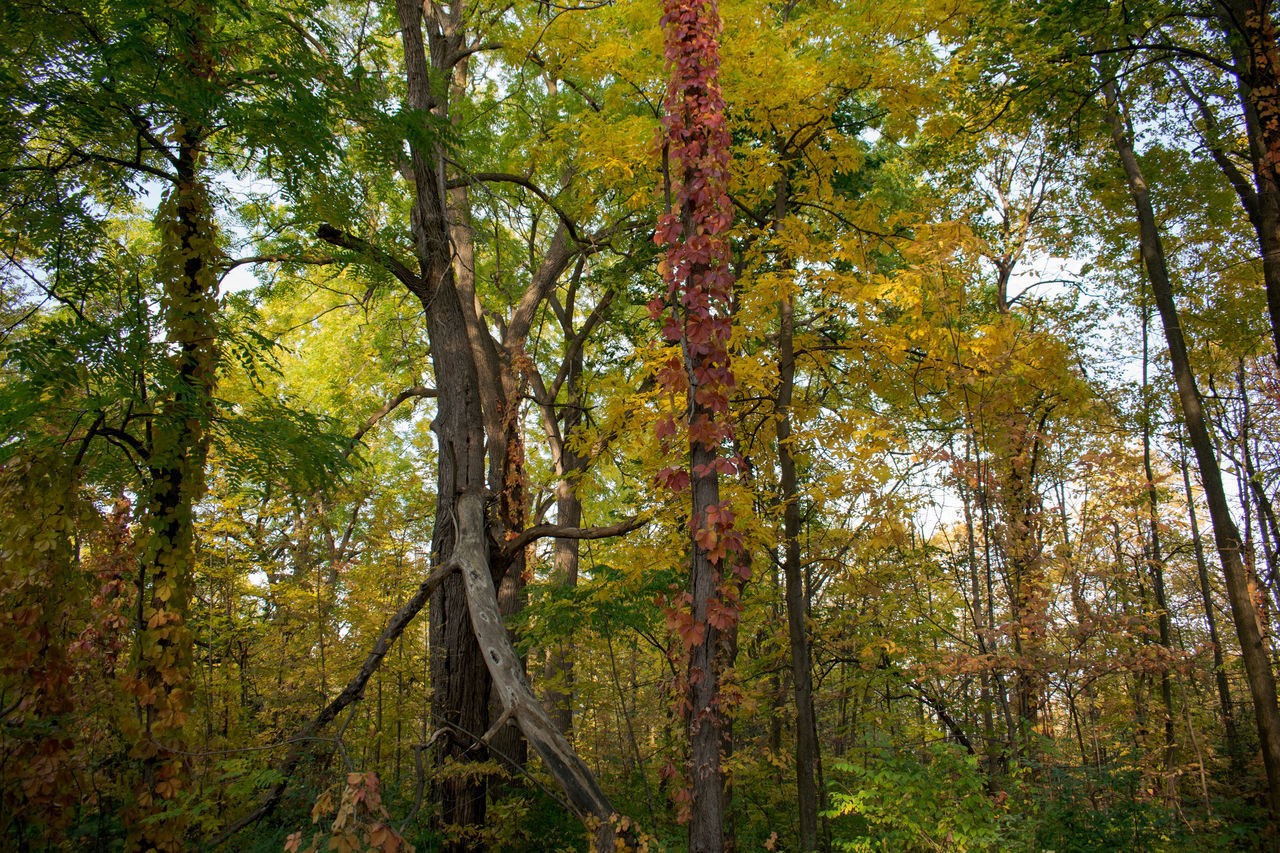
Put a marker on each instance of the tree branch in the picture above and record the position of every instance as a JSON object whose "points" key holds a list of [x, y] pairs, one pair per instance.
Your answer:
{"points": [[518, 180], [371, 421], [543, 531], [407, 277], [137, 165], [268, 259], [352, 693]]}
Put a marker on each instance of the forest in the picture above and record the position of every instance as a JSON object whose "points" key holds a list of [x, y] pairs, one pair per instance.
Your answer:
{"points": [[585, 425]]}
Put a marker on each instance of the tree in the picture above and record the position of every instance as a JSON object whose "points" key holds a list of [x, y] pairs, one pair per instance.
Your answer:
{"points": [[1227, 536]]}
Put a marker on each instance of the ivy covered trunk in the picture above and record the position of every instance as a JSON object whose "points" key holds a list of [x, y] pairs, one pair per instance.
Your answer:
{"points": [[178, 448], [697, 312], [41, 583], [1027, 582]]}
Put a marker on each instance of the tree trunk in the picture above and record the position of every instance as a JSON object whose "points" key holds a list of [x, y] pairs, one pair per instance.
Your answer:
{"points": [[703, 715], [1155, 565], [991, 747], [469, 644], [512, 687], [179, 444], [1027, 582], [1211, 617], [1267, 525], [1227, 537], [571, 465], [793, 571]]}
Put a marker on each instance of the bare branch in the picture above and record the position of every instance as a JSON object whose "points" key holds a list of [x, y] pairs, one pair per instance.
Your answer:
{"points": [[543, 531], [371, 421], [352, 693], [384, 259], [228, 266], [518, 180]]}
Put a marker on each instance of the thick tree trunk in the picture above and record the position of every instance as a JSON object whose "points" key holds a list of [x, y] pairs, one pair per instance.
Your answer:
{"points": [[179, 444], [470, 645], [1253, 648], [459, 679], [511, 686]]}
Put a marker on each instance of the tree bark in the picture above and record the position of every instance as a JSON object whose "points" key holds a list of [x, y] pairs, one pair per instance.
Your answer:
{"points": [[702, 714], [1155, 565], [1243, 608], [570, 466], [179, 444], [470, 646], [511, 685]]}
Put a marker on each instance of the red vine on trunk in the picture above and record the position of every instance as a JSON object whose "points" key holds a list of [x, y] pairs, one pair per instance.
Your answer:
{"points": [[695, 312]]}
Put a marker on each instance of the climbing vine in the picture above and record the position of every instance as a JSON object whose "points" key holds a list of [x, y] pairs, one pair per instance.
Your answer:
{"points": [[695, 311]]}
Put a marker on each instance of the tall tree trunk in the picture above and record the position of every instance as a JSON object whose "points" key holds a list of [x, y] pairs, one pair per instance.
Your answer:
{"points": [[1027, 582], [459, 679], [1002, 689], [570, 467], [179, 443], [704, 719], [1155, 565], [1211, 617], [991, 747], [792, 567], [1243, 609], [465, 614], [793, 571], [699, 291]]}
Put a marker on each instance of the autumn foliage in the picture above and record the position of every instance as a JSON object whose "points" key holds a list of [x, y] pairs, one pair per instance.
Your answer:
{"points": [[704, 426]]}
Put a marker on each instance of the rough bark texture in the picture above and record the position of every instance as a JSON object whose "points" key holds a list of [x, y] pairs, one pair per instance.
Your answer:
{"points": [[703, 715], [510, 684], [570, 466], [1243, 609], [459, 682], [470, 646]]}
